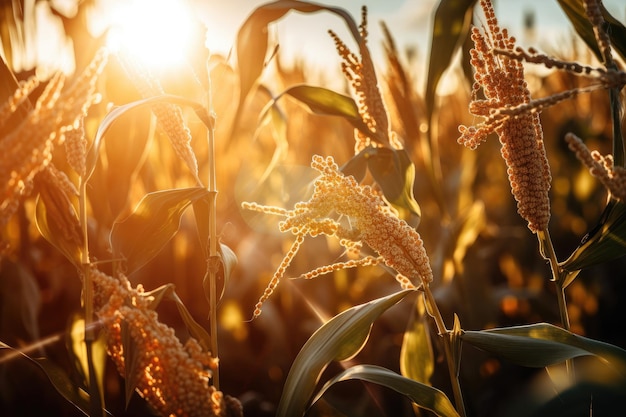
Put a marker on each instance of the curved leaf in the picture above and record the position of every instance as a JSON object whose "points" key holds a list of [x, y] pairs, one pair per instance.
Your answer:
{"points": [[416, 355], [196, 330], [575, 12], [47, 215], [450, 27], [423, 395], [323, 101], [155, 220], [395, 173], [607, 241], [540, 345], [60, 381], [94, 150], [340, 338], [252, 39]]}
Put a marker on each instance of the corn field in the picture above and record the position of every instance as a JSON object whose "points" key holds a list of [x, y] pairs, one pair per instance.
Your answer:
{"points": [[237, 237]]}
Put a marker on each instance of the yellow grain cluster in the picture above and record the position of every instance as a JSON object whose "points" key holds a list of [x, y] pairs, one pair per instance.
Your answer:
{"points": [[360, 72], [26, 148], [171, 376], [372, 222]]}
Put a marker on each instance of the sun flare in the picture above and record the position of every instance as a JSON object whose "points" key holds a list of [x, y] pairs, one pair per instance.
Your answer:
{"points": [[156, 32]]}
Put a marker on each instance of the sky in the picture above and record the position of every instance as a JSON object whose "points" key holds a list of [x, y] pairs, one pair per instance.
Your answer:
{"points": [[409, 21]]}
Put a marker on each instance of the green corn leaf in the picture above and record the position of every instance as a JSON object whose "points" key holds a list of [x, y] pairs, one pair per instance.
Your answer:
{"points": [[116, 113], [541, 345], [575, 12], [450, 27], [156, 219], [395, 173], [252, 39], [60, 381], [273, 116], [417, 360], [423, 395], [339, 339], [132, 362], [196, 330], [356, 166], [607, 241], [322, 101], [48, 208]]}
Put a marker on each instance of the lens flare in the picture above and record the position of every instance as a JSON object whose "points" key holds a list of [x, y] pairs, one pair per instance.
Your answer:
{"points": [[156, 32]]}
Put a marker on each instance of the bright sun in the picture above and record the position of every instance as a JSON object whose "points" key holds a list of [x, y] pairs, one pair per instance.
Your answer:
{"points": [[156, 32]]}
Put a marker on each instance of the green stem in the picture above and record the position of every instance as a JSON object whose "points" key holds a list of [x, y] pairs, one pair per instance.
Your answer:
{"points": [[433, 311], [214, 260], [95, 400], [559, 277]]}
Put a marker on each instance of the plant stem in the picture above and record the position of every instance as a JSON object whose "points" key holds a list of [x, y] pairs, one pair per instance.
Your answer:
{"points": [[95, 401], [559, 278], [214, 260], [433, 311]]}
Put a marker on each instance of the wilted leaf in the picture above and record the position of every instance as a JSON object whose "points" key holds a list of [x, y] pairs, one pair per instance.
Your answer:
{"points": [[423, 395], [340, 338], [450, 27], [540, 345], [156, 219], [575, 12], [607, 241], [416, 356]]}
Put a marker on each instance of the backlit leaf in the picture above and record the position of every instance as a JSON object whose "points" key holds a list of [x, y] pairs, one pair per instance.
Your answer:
{"points": [[252, 39], [116, 113], [196, 330], [416, 356], [156, 219], [327, 102], [395, 173], [423, 395], [339, 339], [575, 12], [68, 242], [540, 345], [450, 27], [607, 241]]}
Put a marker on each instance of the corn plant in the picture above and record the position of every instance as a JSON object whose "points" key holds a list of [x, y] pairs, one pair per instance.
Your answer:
{"points": [[98, 181]]}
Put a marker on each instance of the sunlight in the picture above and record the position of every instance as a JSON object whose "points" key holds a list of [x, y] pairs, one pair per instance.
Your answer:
{"points": [[156, 32]]}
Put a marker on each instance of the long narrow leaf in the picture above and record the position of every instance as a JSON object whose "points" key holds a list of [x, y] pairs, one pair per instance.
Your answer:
{"points": [[542, 344], [607, 241], [423, 395], [59, 379], [92, 154], [450, 27], [252, 39], [575, 12], [156, 219], [339, 339]]}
